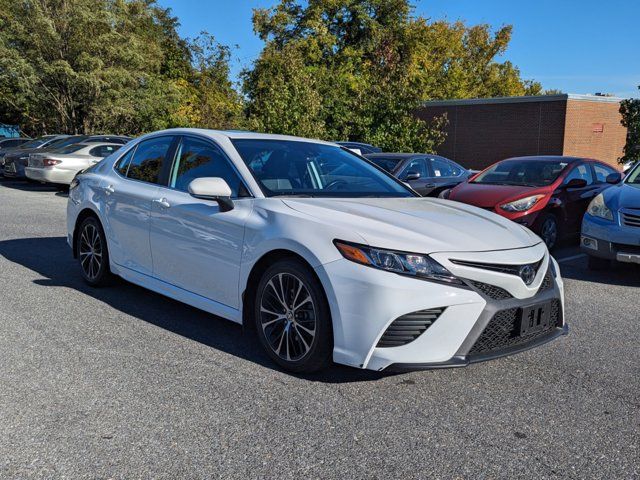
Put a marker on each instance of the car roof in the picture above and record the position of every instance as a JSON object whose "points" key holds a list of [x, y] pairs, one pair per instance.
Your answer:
{"points": [[555, 158], [235, 135], [402, 156]]}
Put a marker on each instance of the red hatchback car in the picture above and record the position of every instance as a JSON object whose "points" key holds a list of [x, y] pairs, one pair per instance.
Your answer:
{"points": [[548, 194]]}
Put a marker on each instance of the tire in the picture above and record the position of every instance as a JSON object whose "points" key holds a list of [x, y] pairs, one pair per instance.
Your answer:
{"points": [[292, 317], [92, 253], [596, 263], [549, 230]]}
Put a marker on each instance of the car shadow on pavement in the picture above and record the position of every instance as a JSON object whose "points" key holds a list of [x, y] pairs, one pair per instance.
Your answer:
{"points": [[51, 258], [621, 274], [25, 185]]}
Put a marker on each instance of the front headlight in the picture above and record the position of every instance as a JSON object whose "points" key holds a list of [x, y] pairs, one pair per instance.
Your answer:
{"points": [[522, 205], [413, 264], [598, 208]]}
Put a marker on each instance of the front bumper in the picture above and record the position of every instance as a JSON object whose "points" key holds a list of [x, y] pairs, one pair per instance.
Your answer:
{"points": [[365, 302], [609, 240]]}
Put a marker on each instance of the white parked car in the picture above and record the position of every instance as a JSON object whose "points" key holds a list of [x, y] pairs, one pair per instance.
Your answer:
{"points": [[61, 165], [324, 254]]}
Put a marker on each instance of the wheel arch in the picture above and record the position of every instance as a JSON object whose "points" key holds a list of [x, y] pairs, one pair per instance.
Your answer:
{"points": [[82, 215], [258, 268]]}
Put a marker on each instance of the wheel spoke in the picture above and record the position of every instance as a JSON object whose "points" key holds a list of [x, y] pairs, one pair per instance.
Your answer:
{"points": [[308, 299]]}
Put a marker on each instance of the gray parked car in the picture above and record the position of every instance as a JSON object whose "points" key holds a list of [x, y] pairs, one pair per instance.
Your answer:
{"points": [[16, 161], [426, 174]]}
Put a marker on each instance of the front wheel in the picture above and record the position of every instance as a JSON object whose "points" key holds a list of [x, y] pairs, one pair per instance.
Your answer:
{"points": [[292, 317], [549, 230], [92, 253]]}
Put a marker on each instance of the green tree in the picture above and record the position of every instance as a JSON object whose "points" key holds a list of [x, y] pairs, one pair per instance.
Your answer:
{"points": [[116, 66], [358, 69], [630, 110]]}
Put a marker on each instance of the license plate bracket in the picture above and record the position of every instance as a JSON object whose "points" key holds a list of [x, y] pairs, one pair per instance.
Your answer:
{"points": [[535, 318]]}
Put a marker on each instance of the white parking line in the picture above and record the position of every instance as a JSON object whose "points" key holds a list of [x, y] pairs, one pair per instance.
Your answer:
{"points": [[573, 257]]}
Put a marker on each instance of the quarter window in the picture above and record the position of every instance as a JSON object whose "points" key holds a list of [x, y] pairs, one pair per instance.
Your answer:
{"points": [[148, 158], [602, 172], [197, 159], [581, 171]]}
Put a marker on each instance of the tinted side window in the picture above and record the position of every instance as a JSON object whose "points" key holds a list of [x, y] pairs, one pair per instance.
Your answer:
{"points": [[443, 168], [103, 150], [123, 164], [581, 171], [602, 172], [197, 159], [148, 158]]}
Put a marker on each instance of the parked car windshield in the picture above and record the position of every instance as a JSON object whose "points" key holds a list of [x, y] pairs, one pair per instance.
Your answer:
{"points": [[284, 167], [633, 177], [35, 143], [386, 163], [534, 172]]}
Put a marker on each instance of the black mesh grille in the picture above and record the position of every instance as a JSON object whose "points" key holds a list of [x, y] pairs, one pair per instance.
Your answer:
{"points": [[547, 282], [407, 328], [502, 331], [492, 291], [496, 267]]}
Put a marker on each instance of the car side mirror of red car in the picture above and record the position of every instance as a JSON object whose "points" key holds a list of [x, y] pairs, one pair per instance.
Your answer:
{"points": [[576, 183], [614, 178]]}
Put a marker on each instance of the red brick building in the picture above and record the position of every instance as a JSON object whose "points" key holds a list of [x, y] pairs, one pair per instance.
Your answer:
{"points": [[483, 131]]}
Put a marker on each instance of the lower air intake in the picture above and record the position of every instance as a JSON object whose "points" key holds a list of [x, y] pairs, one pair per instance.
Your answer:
{"points": [[407, 328], [502, 331]]}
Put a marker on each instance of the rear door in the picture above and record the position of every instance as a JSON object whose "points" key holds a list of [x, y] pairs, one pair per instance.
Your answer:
{"points": [[445, 173], [128, 199]]}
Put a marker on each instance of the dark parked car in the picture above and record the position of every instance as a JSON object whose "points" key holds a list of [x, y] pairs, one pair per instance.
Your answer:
{"points": [[363, 147], [17, 160], [427, 174], [548, 194], [16, 157], [6, 143]]}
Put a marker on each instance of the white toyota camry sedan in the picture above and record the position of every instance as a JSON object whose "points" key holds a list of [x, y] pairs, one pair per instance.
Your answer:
{"points": [[324, 254]]}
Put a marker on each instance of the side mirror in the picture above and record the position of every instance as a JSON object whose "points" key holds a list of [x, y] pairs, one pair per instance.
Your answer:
{"points": [[411, 175], [212, 188], [576, 183], [614, 178]]}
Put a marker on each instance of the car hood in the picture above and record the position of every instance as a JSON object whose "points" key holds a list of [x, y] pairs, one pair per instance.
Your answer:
{"points": [[488, 196], [424, 225], [623, 195]]}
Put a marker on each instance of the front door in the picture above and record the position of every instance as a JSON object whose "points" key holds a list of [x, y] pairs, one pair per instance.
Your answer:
{"points": [[196, 246]]}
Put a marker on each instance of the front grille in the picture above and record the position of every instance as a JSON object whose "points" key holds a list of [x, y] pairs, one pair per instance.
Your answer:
{"points": [[502, 331], [497, 267], [491, 291], [630, 219], [407, 328]]}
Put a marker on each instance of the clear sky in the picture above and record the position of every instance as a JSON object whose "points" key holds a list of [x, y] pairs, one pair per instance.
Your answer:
{"points": [[577, 46]]}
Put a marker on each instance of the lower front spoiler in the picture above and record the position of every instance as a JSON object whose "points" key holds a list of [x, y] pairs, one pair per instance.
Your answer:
{"points": [[462, 361]]}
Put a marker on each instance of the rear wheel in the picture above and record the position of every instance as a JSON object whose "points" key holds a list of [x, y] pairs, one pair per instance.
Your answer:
{"points": [[92, 253], [292, 317]]}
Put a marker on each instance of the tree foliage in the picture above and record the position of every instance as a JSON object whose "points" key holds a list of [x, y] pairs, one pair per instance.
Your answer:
{"points": [[358, 70], [76, 66], [630, 110]]}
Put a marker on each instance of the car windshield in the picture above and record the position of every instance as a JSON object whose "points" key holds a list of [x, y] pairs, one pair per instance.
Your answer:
{"points": [[296, 168], [63, 142], [532, 173], [386, 163], [35, 143], [633, 177]]}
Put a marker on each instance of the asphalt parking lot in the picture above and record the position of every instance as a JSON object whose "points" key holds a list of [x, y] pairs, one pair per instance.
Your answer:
{"points": [[124, 383]]}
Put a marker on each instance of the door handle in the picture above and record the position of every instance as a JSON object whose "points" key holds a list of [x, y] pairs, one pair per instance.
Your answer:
{"points": [[162, 202], [109, 190], [430, 185]]}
